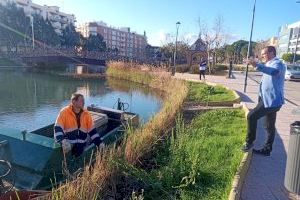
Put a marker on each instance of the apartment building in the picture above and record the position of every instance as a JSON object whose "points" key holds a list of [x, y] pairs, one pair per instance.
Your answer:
{"points": [[125, 42], [289, 39], [59, 20]]}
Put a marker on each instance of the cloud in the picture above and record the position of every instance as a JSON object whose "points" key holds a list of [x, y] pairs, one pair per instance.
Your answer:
{"points": [[189, 38], [157, 38], [161, 37]]}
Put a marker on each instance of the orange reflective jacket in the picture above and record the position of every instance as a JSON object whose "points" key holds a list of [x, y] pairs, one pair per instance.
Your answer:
{"points": [[66, 127]]}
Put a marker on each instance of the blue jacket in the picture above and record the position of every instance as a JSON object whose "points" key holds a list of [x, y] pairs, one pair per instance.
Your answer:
{"points": [[271, 88]]}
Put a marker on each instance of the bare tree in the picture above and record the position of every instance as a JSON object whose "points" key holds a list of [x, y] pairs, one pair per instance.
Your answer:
{"points": [[213, 37], [259, 46]]}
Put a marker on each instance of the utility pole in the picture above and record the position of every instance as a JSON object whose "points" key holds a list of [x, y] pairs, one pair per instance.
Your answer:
{"points": [[174, 68], [249, 46]]}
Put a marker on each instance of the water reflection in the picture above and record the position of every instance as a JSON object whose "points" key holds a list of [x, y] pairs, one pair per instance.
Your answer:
{"points": [[31, 100]]}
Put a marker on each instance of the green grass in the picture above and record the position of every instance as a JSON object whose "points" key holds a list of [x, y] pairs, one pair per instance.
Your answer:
{"points": [[6, 62], [200, 160], [205, 93]]}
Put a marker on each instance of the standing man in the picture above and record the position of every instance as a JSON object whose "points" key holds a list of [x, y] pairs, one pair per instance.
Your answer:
{"points": [[72, 126], [202, 67], [271, 98]]}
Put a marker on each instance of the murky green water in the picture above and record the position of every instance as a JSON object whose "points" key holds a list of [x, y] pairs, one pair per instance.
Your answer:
{"points": [[29, 101]]}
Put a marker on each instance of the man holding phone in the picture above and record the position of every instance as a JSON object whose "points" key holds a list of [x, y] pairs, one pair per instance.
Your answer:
{"points": [[271, 98]]}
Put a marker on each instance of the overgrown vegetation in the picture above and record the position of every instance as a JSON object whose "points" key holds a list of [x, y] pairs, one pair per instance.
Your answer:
{"points": [[199, 161]]}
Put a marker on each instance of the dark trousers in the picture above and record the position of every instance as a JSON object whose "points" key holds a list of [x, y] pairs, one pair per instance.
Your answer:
{"points": [[202, 72], [269, 123], [77, 149]]}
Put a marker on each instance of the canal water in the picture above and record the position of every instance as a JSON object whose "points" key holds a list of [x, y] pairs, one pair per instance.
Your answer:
{"points": [[29, 101]]}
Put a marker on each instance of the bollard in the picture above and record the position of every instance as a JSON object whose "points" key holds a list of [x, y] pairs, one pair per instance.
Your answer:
{"points": [[292, 171]]}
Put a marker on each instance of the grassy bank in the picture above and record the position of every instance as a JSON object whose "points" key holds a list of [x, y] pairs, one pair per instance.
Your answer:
{"points": [[141, 142], [199, 161], [204, 93]]}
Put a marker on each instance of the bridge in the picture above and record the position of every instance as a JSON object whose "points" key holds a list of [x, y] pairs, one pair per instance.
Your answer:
{"points": [[65, 59], [69, 56]]}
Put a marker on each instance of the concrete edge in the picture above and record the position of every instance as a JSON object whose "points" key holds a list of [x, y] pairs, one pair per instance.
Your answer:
{"points": [[240, 175]]}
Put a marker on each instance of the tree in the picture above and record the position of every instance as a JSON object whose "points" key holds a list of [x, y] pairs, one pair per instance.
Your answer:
{"points": [[259, 46], [13, 28], [168, 49], [238, 50], [16, 32], [213, 38], [44, 33], [95, 43], [288, 57], [70, 38]]}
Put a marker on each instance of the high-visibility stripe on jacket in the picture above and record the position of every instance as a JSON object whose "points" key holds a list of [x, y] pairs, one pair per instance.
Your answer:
{"points": [[66, 127]]}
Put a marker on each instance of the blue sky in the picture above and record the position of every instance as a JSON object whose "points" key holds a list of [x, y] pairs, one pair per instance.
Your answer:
{"points": [[158, 17]]}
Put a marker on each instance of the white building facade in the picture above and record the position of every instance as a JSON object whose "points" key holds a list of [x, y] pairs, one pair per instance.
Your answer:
{"points": [[59, 20], [289, 39]]}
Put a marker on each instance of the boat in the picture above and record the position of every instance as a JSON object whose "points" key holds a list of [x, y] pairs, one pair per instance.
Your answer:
{"points": [[34, 161]]}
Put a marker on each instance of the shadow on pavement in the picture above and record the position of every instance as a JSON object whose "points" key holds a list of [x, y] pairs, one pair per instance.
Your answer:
{"points": [[265, 177]]}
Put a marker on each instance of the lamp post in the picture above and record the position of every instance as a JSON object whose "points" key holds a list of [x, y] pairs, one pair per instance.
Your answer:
{"points": [[174, 68], [249, 46]]}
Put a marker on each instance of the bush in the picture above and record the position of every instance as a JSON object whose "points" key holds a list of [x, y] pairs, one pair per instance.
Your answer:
{"points": [[221, 67], [182, 68], [194, 69]]}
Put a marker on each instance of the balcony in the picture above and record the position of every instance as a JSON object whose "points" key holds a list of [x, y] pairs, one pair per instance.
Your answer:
{"points": [[56, 25]]}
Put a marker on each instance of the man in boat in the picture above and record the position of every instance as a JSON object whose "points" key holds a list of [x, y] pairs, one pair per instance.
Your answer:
{"points": [[73, 125]]}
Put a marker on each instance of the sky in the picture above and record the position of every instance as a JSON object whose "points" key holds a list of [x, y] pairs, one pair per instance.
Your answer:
{"points": [[158, 17]]}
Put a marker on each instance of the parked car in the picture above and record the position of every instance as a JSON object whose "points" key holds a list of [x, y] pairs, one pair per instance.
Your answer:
{"points": [[292, 72]]}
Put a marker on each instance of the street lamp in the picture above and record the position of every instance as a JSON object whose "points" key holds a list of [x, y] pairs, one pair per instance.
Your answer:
{"points": [[174, 68], [249, 46]]}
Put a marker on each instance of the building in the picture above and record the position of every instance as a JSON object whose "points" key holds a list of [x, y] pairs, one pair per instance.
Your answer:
{"points": [[287, 39], [59, 20], [125, 42], [273, 41], [153, 52]]}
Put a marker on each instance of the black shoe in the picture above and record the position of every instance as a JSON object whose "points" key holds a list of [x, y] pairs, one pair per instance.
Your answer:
{"points": [[263, 151], [247, 147]]}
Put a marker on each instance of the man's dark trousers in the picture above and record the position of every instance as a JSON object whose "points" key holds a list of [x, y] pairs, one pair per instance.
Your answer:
{"points": [[269, 123]]}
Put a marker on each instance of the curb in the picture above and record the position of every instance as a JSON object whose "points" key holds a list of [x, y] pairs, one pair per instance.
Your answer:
{"points": [[240, 175]]}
